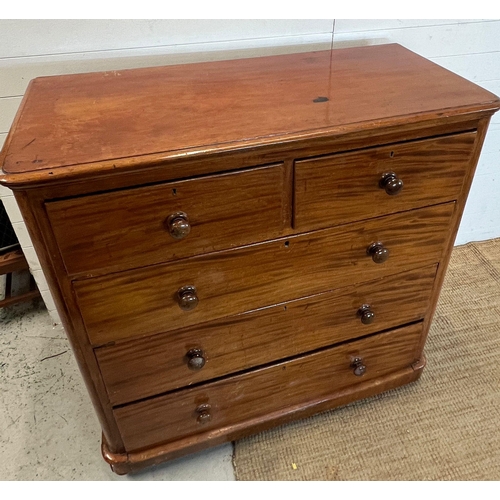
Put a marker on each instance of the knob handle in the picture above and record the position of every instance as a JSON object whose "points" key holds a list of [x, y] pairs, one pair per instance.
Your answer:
{"points": [[204, 415], [391, 183], [178, 225], [366, 314], [187, 298], [358, 366], [378, 252], [196, 359]]}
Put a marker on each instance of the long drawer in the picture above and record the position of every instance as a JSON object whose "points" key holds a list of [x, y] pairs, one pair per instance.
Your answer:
{"points": [[146, 367], [148, 225], [261, 392], [346, 187], [148, 301]]}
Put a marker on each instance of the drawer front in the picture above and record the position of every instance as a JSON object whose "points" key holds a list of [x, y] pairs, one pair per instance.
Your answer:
{"points": [[146, 301], [264, 391], [146, 367], [346, 187], [149, 225]]}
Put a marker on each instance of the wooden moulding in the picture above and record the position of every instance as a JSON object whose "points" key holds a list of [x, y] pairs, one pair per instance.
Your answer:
{"points": [[259, 94], [266, 105], [160, 167], [11, 262], [125, 463]]}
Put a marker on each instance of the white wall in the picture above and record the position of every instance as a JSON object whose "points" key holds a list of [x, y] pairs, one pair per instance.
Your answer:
{"points": [[30, 48]]}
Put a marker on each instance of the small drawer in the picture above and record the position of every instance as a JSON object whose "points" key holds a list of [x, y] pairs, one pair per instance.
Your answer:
{"points": [[346, 187], [142, 226], [201, 289], [266, 391], [146, 367]]}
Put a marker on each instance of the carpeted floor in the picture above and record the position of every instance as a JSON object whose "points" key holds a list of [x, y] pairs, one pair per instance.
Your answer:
{"points": [[446, 426]]}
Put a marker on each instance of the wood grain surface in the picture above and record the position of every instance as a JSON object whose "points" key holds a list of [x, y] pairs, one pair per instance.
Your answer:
{"points": [[264, 391], [82, 179], [342, 188], [143, 302], [275, 163], [146, 367], [92, 117], [123, 463], [126, 229]]}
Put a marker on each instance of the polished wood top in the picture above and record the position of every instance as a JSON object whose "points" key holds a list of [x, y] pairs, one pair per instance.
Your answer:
{"points": [[194, 108]]}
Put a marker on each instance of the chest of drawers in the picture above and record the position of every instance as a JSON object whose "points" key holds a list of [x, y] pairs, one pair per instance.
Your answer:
{"points": [[237, 244]]}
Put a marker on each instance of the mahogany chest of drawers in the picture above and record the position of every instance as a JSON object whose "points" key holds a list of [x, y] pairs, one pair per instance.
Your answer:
{"points": [[236, 244]]}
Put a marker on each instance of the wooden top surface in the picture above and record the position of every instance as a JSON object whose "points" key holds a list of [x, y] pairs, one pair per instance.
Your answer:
{"points": [[89, 118]]}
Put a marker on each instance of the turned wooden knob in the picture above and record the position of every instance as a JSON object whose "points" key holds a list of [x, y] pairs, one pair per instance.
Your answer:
{"points": [[204, 415], [196, 359], [366, 314], [378, 252], [187, 298], [358, 366], [391, 183], [178, 225]]}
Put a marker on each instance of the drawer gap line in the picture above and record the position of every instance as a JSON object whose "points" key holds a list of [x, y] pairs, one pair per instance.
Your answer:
{"points": [[83, 277], [265, 365], [167, 181], [241, 315], [389, 144]]}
